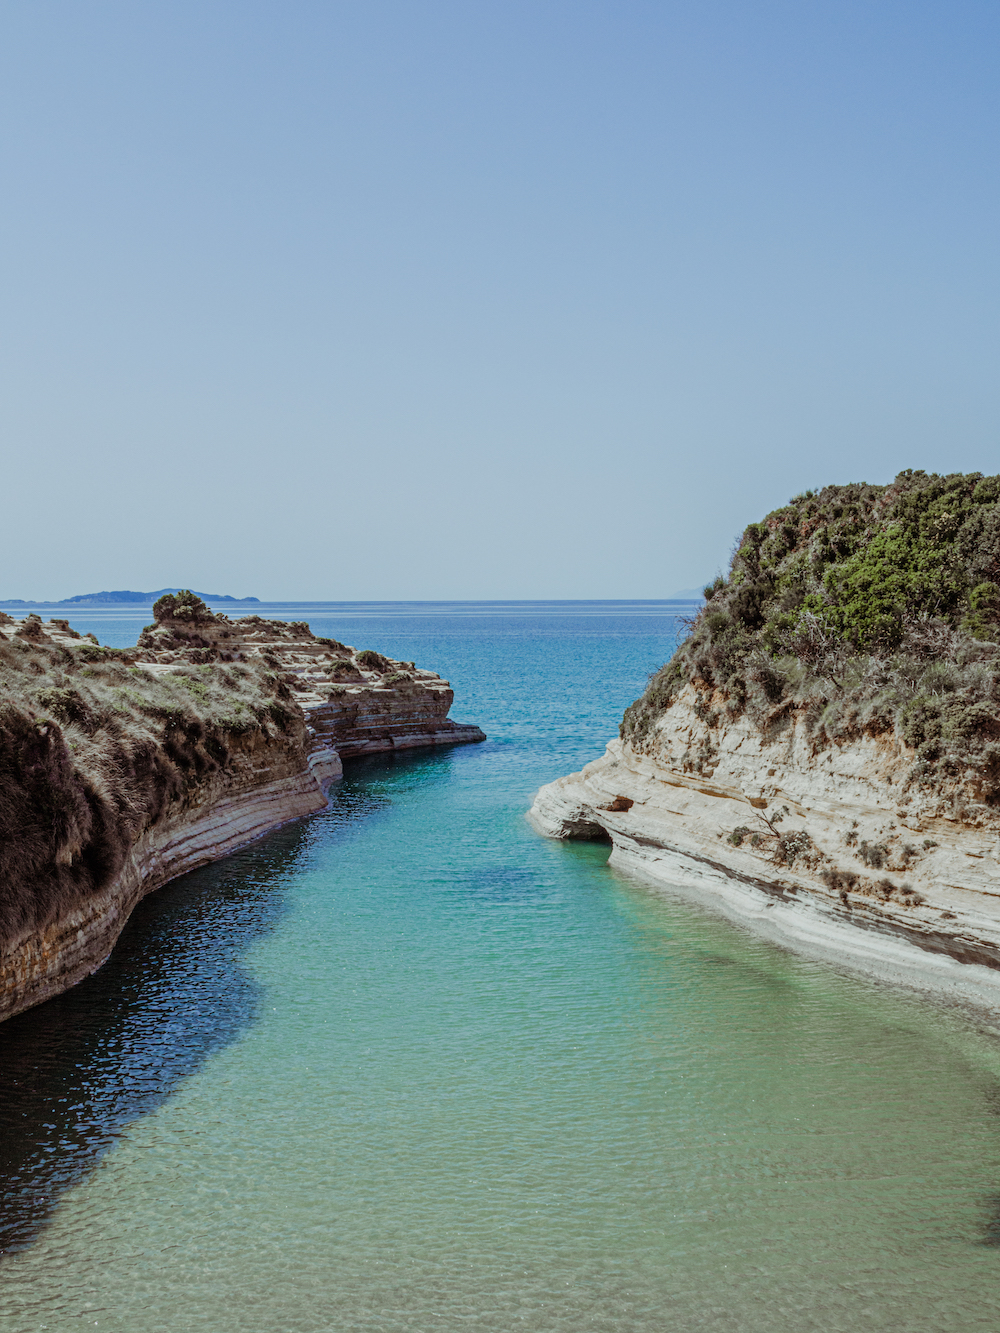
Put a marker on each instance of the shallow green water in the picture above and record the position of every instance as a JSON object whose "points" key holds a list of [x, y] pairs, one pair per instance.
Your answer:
{"points": [[409, 1066]]}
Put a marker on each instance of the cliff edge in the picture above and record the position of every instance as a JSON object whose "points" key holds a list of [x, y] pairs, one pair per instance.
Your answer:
{"points": [[121, 769], [820, 759]]}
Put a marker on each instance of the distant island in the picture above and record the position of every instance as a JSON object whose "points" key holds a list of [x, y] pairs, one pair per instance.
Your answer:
{"points": [[127, 598]]}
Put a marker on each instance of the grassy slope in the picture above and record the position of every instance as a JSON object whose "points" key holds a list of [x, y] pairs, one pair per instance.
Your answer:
{"points": [[94, 749], [873, 609]]}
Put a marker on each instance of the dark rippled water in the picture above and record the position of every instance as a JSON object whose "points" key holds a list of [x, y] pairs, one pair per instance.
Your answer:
{"points": [[406, 1065]]}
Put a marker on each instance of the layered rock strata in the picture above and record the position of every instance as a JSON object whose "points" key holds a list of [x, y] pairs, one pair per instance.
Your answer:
{"points": [[233, 810], [340, 703], [834, 854], [354, 702]]}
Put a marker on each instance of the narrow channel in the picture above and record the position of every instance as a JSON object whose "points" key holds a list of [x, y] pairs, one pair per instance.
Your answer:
{"points": [[407, 1065]]}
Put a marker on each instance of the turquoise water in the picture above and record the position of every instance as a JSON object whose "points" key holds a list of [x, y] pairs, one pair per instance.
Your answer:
{"points": [[408, 1066]]}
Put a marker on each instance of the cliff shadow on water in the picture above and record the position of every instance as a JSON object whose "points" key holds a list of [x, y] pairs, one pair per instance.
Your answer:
{"points": [[78, 1069], [75, 1071], [371, 781]]}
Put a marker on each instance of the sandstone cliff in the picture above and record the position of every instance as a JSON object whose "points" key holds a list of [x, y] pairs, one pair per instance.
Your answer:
{"points": [[120, 770], [834, 853], [821, 755], [353, 702]]}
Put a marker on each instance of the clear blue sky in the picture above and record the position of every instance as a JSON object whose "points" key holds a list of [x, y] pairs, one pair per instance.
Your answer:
{"points": [[432, 299]]}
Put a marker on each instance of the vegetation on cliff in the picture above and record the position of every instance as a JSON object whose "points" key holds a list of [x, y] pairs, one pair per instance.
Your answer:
{"points": [[93, 749], [873, 610], [121, 768]]}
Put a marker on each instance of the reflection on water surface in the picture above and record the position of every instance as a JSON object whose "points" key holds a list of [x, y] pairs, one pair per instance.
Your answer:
{"points": [[79, 1068]]}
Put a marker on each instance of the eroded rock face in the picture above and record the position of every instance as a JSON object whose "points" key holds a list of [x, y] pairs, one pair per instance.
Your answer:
{"points": [[354, 702], [338, 703], [835, 853], [231, 809]]}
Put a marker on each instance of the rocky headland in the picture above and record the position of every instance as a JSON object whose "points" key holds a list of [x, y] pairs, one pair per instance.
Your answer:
{"points": [[121, 769], [820, 760]]}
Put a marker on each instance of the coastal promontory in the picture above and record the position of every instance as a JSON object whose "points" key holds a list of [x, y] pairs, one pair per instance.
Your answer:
{"points": [[820, 759], [123, 768]]}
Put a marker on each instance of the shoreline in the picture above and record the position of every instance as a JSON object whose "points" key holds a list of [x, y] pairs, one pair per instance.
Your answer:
{"points": [[321, 702], [804, 929], [79, 942], [666, 831]]}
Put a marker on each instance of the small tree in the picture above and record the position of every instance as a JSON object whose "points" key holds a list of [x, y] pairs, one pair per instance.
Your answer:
{"points": [[181, 605]]}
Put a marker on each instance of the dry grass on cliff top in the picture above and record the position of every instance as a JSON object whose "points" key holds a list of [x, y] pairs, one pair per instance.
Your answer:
{"points": [[867, 610], [93, 749]]}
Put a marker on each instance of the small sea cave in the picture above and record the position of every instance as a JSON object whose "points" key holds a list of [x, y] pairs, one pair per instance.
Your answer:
{"points": [[587, 830]]}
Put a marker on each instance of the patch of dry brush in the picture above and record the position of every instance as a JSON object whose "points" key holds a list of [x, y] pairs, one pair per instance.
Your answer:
{"points": [[94, 749]]}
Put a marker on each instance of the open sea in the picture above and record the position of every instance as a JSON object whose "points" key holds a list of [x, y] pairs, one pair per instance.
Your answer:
{"points": [[406, 1065]]}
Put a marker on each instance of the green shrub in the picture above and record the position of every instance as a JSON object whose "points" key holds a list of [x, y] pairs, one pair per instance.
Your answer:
{"points": [[93, 652], [396, 678], [982, 620], [873, 854], [841, 881], [184, 606], [793, 846], [372, 661], [873, 610]]}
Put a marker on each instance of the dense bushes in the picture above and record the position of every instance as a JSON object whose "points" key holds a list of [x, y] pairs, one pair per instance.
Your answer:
{"points": [[370, 660], [874, 608], [185, 606], [865, 559]]}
